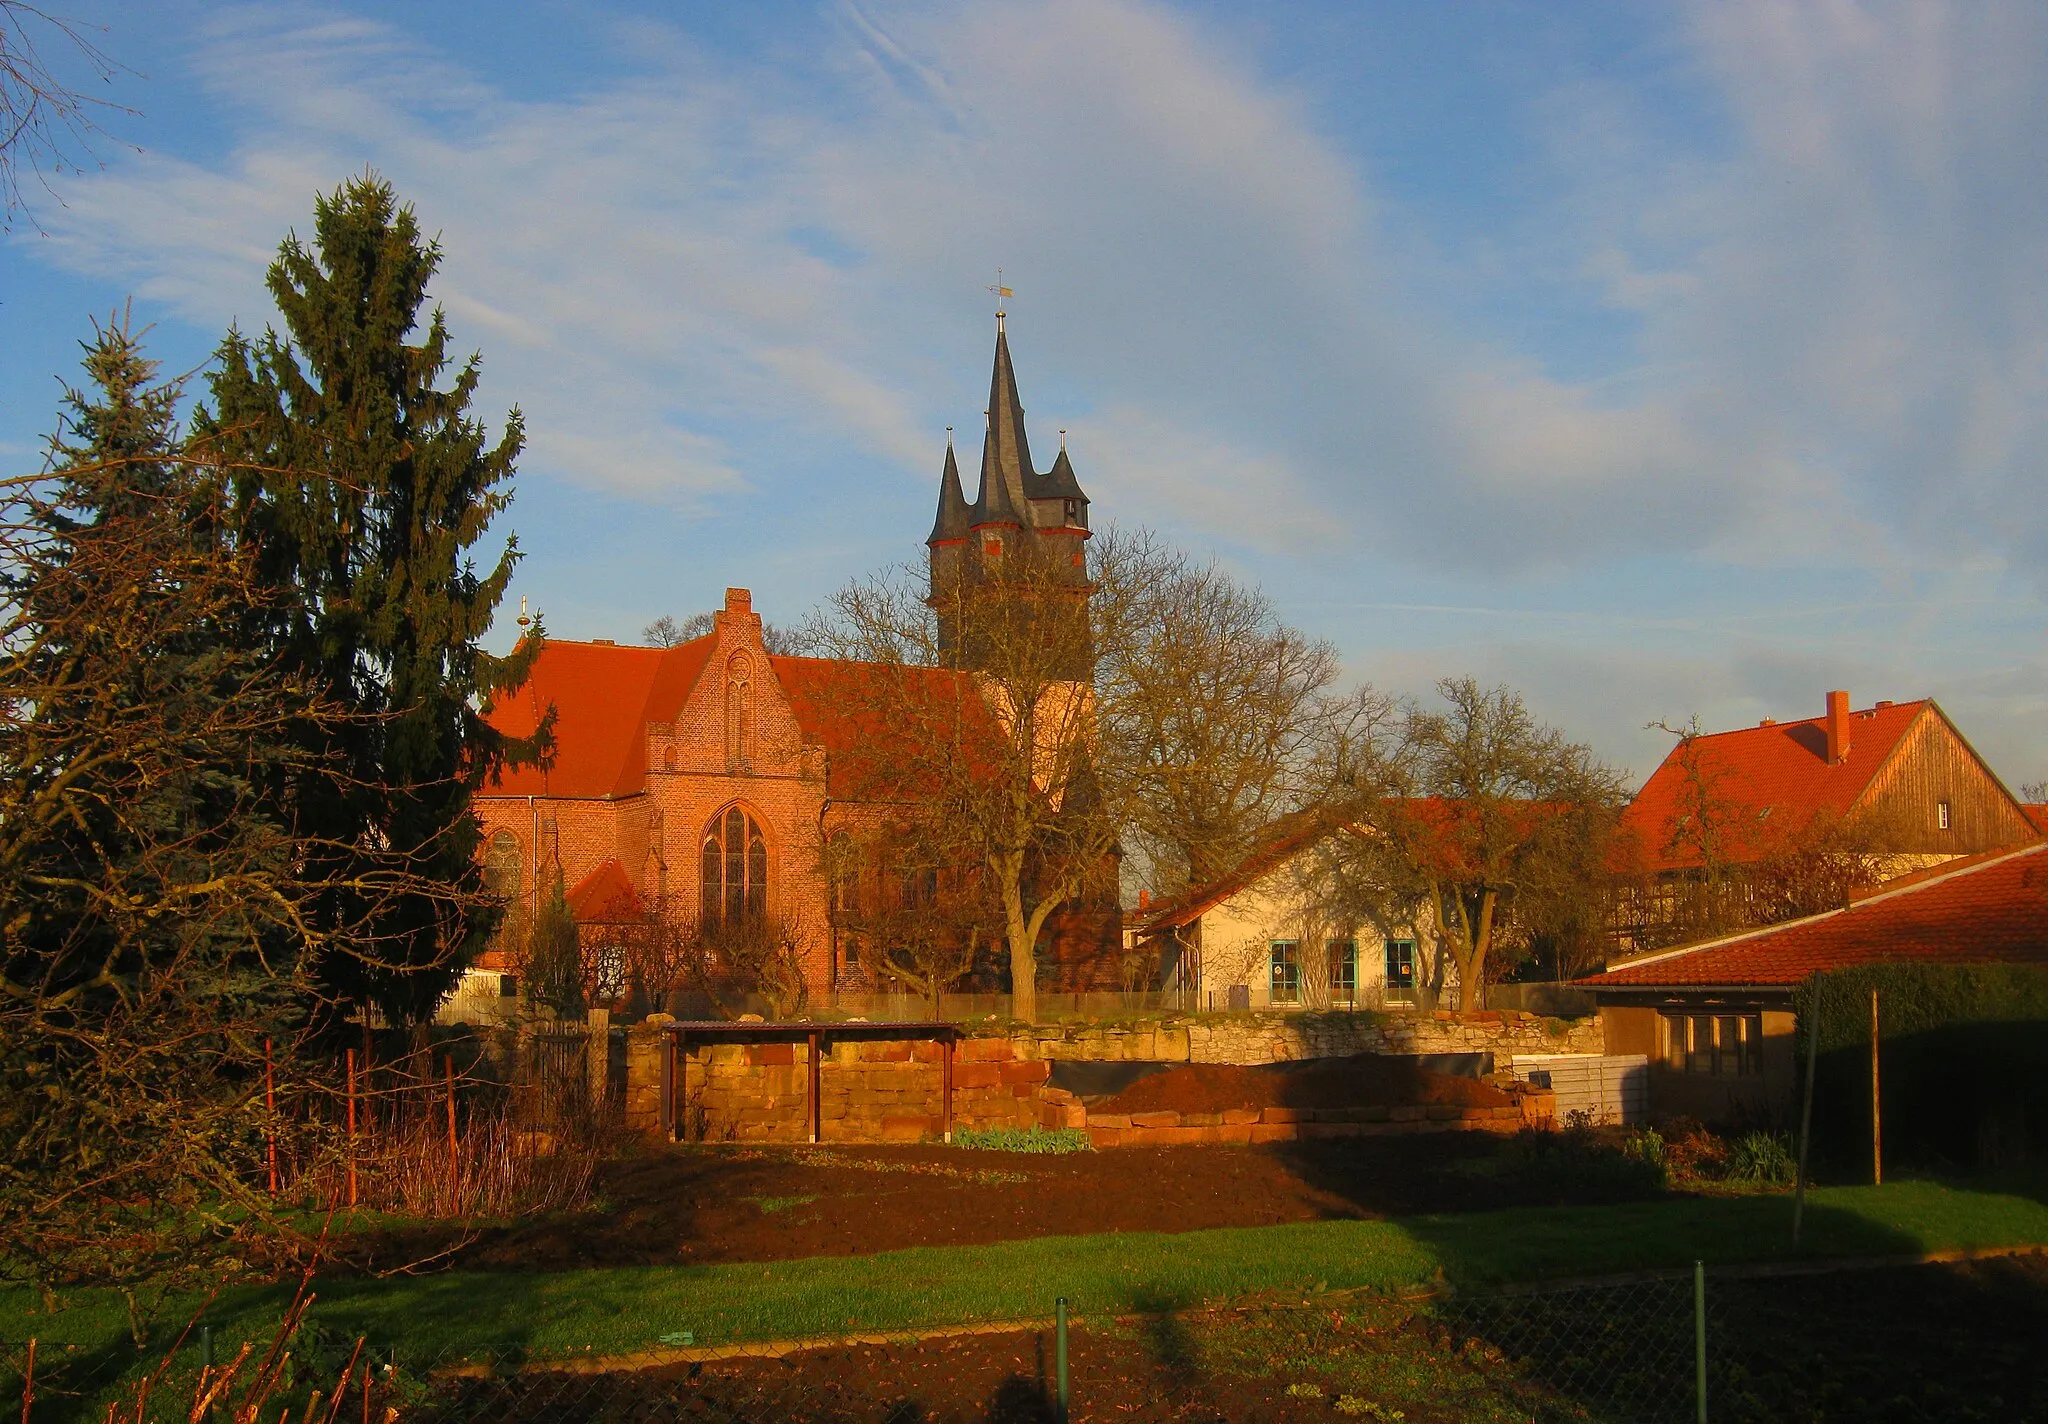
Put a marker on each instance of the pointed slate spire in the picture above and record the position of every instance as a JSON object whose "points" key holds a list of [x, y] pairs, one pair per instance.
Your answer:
{"points": [[951, 522], [1005, 452], [1057, 482]]}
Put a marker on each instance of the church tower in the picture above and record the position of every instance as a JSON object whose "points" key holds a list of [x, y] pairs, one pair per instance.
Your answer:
{"points": [[1024, 527]]}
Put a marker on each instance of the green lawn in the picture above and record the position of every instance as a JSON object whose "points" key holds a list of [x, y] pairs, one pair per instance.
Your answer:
{"points": [[622, 1311]]}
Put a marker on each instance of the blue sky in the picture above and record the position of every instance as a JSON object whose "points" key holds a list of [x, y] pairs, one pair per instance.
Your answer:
{"points": [[1660, 360]]}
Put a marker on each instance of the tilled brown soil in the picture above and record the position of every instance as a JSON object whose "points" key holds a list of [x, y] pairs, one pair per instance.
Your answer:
{"points": [[1891, 1346], [680, 1205], [1367, 1079]]}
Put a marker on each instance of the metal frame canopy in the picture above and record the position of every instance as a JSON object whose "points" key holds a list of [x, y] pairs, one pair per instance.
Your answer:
{"points": [[676, 1039]]}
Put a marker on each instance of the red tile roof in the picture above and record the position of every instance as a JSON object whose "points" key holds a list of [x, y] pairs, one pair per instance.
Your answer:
{"points": [[605, 897], [2037, 812], [604, 695], [840, 707], [1991, 908], [1772, 779]]}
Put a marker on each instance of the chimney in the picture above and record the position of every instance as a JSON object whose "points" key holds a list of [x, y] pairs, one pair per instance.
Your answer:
{"points": [[1144, 899], [1837, 725], [739, 600]]}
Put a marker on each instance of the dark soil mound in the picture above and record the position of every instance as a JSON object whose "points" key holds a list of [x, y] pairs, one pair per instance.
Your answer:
{"points": [[1364, 1080]]}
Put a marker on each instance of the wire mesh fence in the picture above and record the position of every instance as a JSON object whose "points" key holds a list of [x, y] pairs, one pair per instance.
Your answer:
{"points": [[1617, 1352]]}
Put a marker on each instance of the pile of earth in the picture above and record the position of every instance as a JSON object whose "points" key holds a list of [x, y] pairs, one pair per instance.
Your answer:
{"points": [[1363, 1080]]}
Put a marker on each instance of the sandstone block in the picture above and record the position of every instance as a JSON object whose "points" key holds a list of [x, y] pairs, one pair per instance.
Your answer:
{"points": [[1100, 1137], [1112, 1121], [968, 1077], [1445, 1112], [1201, 1119], [1155, 1120], [1277, 1115], [1379, 1113], [1406, 1112], [905, 1129], [1025, 1072], [1274, 1132], [1311, 1131], [1238, 1116], [1234, 1134]]}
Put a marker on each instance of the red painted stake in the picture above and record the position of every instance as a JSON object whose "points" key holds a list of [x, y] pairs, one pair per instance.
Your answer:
{"points": [[270, 1107], [351, 1127], [454, 1162]]}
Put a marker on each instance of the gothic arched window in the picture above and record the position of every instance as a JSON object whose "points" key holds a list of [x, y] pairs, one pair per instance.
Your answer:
{"points": [[739, 710], [503, 861], [735, 869]]}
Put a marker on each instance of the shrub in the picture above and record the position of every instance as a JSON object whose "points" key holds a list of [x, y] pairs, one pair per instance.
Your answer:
{"points": [[1763, 1159], [1022, 1139], [1965, 1060]]}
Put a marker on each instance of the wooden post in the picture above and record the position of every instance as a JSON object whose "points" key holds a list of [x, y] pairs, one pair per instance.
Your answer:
{"points": [[28, 1381], [270, 1112], [674, 1064], [351, 1127], [817, 1108], [946, 1086], [1806, 1108], [1876, 1112], [454, 1162]]}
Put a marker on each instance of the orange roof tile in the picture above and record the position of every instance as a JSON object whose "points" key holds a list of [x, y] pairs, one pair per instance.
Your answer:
{"points": [[605, 897], [1777, 773], [838, 706], [604, 695], [1990, 909]]}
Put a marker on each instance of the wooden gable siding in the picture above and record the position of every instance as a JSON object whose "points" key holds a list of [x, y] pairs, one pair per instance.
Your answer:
{"points": [[1935, 763]]}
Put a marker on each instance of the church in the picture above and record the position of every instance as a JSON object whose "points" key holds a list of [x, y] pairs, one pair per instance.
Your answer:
{"points": [[705, 776]]}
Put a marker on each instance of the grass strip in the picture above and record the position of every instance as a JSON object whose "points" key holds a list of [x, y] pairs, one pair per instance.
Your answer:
{"points": [[619, 1311]]}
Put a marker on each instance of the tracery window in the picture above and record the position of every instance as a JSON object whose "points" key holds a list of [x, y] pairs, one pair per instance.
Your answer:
{"points": [[502, 864], [735, 869], [739, 709]]}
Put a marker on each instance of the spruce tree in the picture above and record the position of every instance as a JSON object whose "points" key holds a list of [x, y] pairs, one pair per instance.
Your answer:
{"points": [[361, 486]]}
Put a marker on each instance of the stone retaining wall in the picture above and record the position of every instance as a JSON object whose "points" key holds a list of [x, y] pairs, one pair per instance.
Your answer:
{"points": [[890, 1092], [1282, 1037]]}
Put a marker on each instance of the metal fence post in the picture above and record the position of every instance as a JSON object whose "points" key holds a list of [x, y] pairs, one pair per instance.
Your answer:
{"points": [[1060, 1361], [1699, 1338]]}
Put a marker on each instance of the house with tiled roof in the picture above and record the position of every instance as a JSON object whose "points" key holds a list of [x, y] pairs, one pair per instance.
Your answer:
{"points": [[705, 777], [1897, 780], [1258, 936], [1716, 1017]]}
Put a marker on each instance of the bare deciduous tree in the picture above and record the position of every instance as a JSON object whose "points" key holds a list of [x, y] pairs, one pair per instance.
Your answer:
{"points": [[1217, 708], [1493, 833], [917, 918], [976, 708]]}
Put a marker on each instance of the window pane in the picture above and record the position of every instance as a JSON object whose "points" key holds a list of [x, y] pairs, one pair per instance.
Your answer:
{"points": [[1286, 985], [1728, 1046], [1400, 964], [757, 871], [714, 880], [1343, 970]]}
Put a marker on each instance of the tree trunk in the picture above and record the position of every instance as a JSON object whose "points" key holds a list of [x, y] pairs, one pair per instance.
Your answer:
{"points": [[1023, 943]]}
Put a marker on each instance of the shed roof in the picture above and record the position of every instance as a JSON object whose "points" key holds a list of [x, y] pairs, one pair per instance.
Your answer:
{"points": [[1991, 908]]}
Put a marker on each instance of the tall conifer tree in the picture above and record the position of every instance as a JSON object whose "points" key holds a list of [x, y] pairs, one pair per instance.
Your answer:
{"points": [[362, 486]]}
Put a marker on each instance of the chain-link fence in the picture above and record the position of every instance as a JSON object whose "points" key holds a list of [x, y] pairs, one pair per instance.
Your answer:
{"points": [[1633, 1352]]}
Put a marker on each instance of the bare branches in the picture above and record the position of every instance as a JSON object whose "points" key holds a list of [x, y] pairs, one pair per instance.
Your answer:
{"points": [[47, 124]]}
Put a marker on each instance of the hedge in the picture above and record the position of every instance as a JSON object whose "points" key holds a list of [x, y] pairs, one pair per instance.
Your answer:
{"points": [[1963, 1066]]}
